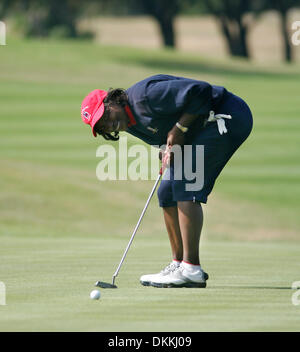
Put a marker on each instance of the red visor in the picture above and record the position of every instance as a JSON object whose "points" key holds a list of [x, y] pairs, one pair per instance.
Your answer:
{"points": [[92, 108]]}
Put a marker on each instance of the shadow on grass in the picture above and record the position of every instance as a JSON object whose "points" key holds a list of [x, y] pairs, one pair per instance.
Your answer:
{"points": [[253, 287], [168, 63]]}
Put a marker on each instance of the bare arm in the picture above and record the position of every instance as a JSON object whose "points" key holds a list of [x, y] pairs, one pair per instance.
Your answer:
{"points": [[176, 136]]}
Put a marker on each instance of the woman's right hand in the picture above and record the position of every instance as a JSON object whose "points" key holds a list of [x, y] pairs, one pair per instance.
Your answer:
{"points": [[165, 156]]}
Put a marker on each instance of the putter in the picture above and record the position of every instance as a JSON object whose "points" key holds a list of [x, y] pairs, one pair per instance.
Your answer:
{"points": [[112, 285]]}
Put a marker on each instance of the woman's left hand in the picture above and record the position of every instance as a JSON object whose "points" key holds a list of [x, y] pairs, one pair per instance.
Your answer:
{"points": [[175, 136]]}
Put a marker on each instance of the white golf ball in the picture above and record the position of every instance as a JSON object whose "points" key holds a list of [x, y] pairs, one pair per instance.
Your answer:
{"points": [[95, 294]]}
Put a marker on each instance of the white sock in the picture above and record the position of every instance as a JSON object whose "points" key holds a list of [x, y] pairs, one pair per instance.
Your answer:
{"points": [[191, 267], [177, 262]]}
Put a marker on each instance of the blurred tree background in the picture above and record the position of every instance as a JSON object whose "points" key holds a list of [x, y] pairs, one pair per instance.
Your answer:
{"points": [[235, 18]]}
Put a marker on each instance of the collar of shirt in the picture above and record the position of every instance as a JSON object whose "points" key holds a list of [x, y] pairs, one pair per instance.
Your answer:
{"points": [[129, 113]]}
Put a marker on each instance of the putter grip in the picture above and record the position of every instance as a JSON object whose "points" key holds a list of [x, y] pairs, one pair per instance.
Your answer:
{"points": [[162, 169], [165, 160]]}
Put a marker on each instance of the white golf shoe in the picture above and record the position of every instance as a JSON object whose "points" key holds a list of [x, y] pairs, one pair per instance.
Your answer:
{"points": [[185, 275], [147, 279]]}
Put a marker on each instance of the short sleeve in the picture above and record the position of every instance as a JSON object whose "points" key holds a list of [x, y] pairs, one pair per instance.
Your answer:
{"points": [[179, 95]]}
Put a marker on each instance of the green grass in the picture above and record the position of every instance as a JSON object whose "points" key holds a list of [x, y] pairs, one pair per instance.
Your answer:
{"points": [[48, 288], [61, 229]]}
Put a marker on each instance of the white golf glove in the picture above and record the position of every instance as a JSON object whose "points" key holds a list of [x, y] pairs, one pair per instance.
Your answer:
{"points": [[220, 120]]}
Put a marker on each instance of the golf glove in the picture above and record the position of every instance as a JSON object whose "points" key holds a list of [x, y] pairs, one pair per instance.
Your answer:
{"points": [[220, 120]]}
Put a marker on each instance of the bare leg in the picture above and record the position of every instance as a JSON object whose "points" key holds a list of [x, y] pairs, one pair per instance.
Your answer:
{"points": [[172, 225], [190, 216]]}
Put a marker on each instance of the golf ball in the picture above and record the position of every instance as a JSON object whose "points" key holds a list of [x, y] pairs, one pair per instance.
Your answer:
{"points": [[95, 294]]}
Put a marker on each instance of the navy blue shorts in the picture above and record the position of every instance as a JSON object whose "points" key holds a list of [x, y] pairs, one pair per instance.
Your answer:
{"points": [[217, 150]]}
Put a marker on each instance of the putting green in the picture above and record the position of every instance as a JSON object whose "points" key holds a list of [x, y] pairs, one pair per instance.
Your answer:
{"points": [[48, 282]]}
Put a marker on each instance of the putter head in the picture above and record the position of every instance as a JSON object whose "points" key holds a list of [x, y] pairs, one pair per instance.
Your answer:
{"points": [[103, 284]]}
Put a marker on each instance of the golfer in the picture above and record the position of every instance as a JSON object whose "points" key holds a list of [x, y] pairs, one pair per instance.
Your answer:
{"points": [[176, 111]]}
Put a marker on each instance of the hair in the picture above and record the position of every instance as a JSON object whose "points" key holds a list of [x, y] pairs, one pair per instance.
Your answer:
{"points": [[114, 97]]}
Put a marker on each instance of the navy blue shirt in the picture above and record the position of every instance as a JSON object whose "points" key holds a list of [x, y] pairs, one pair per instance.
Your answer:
{"points": [[159, 101]]}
